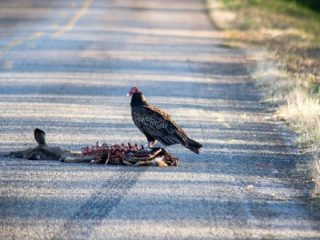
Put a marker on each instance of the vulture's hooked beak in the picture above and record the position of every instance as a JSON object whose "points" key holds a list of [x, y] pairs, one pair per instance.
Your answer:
{"points": [[130, 93]]}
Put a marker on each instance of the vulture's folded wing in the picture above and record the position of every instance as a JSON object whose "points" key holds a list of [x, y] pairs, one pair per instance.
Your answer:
{"points": [[154, 122]]}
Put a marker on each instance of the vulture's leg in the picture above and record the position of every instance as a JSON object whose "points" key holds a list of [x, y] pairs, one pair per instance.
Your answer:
{"points": [[152, 143]]}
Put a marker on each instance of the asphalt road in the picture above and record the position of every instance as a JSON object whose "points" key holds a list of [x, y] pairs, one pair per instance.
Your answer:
{"points": [[66, 66]]}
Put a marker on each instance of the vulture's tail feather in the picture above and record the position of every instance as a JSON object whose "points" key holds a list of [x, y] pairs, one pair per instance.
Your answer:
{"points": [[193, 145]]}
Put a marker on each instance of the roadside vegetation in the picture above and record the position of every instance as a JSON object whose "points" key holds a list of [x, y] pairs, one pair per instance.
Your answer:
{"points": [[289, 31]]}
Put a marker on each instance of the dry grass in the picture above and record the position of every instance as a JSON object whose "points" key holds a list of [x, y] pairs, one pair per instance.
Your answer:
{"points": [[288, 68], [302, 113]]}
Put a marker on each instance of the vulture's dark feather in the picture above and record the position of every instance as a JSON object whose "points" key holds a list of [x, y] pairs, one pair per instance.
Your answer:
{"points": [[155, 124]]}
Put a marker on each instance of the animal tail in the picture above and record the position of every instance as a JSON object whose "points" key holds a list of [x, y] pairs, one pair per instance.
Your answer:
{"points": [[193, 145]]}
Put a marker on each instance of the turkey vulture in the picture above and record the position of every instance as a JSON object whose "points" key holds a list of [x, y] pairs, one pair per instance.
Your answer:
{"points": [[156, 124]]}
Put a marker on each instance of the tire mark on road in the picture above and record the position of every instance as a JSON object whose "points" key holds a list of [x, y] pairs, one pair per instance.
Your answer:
{"points": [[99, 205]]}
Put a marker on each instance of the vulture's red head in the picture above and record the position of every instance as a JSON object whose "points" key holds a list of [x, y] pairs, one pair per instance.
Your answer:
{"points": [[132, 91]]}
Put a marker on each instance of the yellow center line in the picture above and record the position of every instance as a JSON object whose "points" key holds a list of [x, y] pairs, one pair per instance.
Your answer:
{"points": [[7, 65], [18, 42], [34, 36], [74, 19]]}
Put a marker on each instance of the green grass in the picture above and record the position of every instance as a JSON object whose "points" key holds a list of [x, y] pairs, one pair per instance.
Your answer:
{"points": [[315, 89], [314, 5], [293, 13], [291, 28]]}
